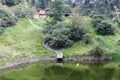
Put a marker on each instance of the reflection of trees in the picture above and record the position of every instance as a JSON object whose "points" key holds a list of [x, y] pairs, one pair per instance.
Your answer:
{"points": [[63, 73], [118, 75], [94, 72]]}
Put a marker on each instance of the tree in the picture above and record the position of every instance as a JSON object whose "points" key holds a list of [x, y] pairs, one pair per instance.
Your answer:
{"points": [[100, 6], [10, 2], [57, 10]]}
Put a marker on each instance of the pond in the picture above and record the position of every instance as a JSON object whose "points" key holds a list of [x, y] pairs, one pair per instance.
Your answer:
{"points": [[64, 71]]}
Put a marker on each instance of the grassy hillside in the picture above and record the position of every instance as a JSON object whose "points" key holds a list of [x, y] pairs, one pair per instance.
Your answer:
{"points": [[25, 41], [20, 41], [109, 42]]}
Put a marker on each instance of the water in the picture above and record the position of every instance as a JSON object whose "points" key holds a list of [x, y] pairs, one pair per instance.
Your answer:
{"points": [[64, 71]]}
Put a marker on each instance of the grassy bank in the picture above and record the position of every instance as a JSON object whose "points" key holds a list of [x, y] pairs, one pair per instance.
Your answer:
{"points": [[25, 41], [22, 41]]}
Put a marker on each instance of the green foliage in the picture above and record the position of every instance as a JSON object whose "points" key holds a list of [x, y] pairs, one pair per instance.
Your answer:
{"points": [[106, 7], [6, 19], [60, 35], [87, 39], [57, 10], [97, 51], [98, 16], [67, 10], [58, 40], [10, 2], [118, 42], [104, 28], [95, 22], [76, 33], [118, 23], [22, 11], [57, 35]]}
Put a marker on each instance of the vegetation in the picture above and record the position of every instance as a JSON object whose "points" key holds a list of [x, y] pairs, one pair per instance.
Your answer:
{"points": [[81, 29], [74, 35], [6, 19], [97, 51], [22, 11], [10, 2], [22, 39]]}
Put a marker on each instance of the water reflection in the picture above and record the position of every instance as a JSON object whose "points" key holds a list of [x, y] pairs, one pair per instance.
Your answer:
{"points": [[64, 71], [81, 71]]}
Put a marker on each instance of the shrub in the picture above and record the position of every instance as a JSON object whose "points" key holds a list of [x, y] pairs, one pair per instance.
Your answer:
{"points": [[59, 40], [87, 38], [10, 2], [95, 22], [21, 11], [97, 51], [6, 19], [76, 33], [6, 23], [118, 23], [118, 42], [67, 10], [104, 28], [98, 16], [57, 35]]}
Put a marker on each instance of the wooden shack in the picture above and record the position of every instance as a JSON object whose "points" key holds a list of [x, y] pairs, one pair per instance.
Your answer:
{"points": [[41, 12]]}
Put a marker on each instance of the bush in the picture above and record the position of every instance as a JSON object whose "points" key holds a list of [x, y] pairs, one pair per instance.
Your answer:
{"points": [[95, 22], [67, 10], [76, 33], [98, 16], [97, 51], [118, 23], [57, 35], [59, 40], [6, 19], [104, 28], [21, 11], [118, 42], [87, 39], [10, 2]]}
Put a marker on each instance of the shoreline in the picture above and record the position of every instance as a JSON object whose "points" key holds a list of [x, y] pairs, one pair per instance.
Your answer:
{"points": [[30, 61]]}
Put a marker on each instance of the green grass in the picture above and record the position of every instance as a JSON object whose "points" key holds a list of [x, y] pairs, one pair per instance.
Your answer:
{"points": [[80, 49], [23, 38]]}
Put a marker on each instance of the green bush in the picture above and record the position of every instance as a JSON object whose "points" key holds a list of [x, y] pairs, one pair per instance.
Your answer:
{"points": [[59, 40], [10, 2], [104, 28], [98, 16], [95, 22], [67, 10], [101, 25], [118, 42], [97, 51], [87, 39], [76, 33], [118, 23], [6, 19], [22, 11], [57, 35]]}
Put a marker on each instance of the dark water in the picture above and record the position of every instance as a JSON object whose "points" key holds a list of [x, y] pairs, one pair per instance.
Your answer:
{"points": [[64, 71]]}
